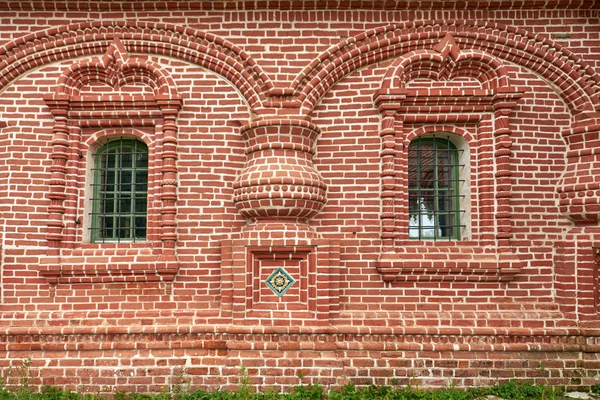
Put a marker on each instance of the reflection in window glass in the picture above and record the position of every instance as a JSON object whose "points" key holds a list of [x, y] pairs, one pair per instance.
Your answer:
{"points": [[433, 196]]}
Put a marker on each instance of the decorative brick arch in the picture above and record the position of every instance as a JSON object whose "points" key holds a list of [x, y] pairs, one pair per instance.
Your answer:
{"points": [[479, 113], [116, 69], [97, 139], [576, 82], [445, 62], [92, 38], [465, 134], [81, 118]]}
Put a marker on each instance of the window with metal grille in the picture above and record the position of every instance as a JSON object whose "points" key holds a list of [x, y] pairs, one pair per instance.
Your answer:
{"points": [[120, 192], [434, 199]]}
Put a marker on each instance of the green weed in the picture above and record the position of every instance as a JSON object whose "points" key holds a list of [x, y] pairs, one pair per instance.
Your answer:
{"points": [[512, 390]]}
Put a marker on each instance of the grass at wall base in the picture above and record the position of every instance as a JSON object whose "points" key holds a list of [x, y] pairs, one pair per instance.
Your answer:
{"points": [[512, 390], [14, 385]]}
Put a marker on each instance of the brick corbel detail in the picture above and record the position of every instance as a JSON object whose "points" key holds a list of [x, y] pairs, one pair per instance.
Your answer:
{"points": [[278, 191], [68, 259]]}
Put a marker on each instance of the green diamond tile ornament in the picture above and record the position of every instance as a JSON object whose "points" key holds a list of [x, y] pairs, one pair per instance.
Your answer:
{"points": [[280, 281]]}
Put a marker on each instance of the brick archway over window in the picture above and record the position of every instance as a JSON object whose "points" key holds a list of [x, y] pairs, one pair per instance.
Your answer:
{"points": [[419, 97], [93, 38], [83, 117], [576, 81]]}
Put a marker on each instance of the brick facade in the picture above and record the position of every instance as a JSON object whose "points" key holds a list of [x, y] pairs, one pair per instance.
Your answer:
{"points": [[278, 136]]}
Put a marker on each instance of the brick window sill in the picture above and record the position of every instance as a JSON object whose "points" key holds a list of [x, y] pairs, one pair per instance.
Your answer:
{"points": [[109, 262], [462, 261]]}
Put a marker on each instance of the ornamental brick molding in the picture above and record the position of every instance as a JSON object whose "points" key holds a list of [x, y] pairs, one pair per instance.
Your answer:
{"points": [[74, 113], [283, 163], [279, 183], [577, 83], [410, 110], [66, 42], [581, 182]]}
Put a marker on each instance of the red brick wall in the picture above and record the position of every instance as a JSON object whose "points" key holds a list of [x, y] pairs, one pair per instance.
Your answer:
{"points": [[290, 152]]}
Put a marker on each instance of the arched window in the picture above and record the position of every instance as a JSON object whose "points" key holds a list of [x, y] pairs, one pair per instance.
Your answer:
{"points": [[434, 198], [120, 192]]}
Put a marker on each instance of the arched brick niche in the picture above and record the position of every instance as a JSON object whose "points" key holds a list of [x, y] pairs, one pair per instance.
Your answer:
{"points": [[98, 100], [465, 97]]}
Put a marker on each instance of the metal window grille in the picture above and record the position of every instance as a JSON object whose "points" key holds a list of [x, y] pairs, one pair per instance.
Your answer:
{"points": [[433, 189], [120, 192]]}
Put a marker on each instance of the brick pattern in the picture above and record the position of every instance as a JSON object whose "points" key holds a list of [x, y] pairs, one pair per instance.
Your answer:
{"points": [[74, 109], [462, 111], [151, 5], [157, 361], [277, 135]]}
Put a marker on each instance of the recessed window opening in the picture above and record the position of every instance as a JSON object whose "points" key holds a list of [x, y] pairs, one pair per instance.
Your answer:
{"points": [[120, 192], [435, 201]]}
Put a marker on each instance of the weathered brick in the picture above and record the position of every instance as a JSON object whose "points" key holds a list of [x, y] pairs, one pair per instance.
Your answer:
{"points": [[277, 137]]}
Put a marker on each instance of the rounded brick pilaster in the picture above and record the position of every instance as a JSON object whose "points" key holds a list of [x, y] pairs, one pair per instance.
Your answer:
{"points": [[579, 189], [168, 195], [388, 178], [58, 175], [279, 186]]}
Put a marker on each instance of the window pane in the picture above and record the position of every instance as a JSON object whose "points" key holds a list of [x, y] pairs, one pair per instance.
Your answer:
{"points": [[108, 179], [108, 204], [124, 205], [106, 227], [124, 226], [110, 160], [140, 205], [140, 227], [126, 159], [141, 159], [120, 191], [125, 180], [432, 188], [444, 176], [141, 181]]}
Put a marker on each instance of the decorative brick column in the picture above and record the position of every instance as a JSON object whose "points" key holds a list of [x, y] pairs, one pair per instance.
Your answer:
{"points": [[168, 196], [280, 188], [388, 175], [279, 270], [579, 190], [58, 177], [577, 256]]}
